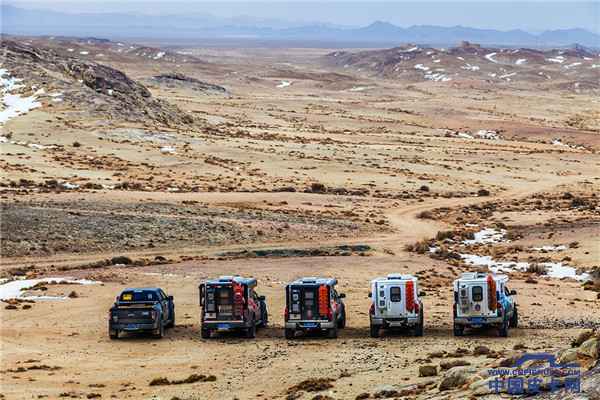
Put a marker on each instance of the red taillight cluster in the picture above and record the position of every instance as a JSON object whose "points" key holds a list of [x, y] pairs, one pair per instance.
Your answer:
{"points": [[324, 306], [286, 314], [238, 299], [372, 309], [411, 305], [492, 300]]}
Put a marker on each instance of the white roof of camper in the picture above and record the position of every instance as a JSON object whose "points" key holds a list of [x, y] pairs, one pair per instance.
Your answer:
{"points": [[396, 277], [480, 277]]}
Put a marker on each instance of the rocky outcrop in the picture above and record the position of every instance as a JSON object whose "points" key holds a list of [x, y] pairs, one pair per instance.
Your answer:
{"points": [[178, 80], [90, 87]]}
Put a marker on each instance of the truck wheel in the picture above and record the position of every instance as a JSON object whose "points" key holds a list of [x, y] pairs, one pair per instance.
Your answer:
{"points": [[419, 327], [205, 333], [251, 331], [342, 321], [374, 330], [113, 335], [290, 333], [503, 331], [160, 331], [514, 320], [171, 322], [332, 333], [459, 330]]}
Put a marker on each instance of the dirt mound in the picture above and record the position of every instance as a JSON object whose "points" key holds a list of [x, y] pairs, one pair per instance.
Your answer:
{"points": [[89, 86]]}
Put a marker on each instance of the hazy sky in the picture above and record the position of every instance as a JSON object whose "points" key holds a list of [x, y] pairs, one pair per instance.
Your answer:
{"points": [[533, 16]]}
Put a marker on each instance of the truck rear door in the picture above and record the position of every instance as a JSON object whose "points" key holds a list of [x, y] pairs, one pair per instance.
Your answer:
{"points": [[304, 301]]}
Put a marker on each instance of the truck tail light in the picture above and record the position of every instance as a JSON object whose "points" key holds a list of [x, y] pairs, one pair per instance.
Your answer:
{"points": [[410, 296], [492, 299], [324, 306], [372, 309], [238, 300], [286, 314]]}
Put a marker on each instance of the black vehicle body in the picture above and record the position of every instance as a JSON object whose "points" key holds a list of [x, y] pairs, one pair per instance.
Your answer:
{"points": [[314, 305], [230, 303], [141, 310]]}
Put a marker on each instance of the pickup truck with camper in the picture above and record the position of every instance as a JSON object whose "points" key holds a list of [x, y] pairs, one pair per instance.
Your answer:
{"points": [[484, 300], [313, 305], [230, 303], [396, 304], [141, 310]]}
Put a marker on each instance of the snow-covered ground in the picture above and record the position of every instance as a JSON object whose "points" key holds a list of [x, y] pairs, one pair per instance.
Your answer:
{"points": [[490, 57], [13, 289], [487, 235], [284, 84], [14, 104]]}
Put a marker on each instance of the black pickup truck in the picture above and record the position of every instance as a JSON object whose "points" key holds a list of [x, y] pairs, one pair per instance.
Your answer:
{"points": [[141, 310]]}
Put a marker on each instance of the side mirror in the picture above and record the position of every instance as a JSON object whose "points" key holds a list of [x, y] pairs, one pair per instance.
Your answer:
{"points": [[422, 294], [262, 298], [342, 295], [370, 294], [170, 298], [513, 292]]}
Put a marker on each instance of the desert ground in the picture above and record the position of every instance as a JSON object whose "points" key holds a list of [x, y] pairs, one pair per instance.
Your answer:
{"points": [[141, 166]]}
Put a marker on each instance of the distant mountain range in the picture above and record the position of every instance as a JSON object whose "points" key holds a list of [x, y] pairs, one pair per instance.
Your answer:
{"points": [[19, 21]]}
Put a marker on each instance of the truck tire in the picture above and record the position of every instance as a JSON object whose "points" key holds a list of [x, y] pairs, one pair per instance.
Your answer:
{"points": [[171, 322], [113, 335], [290, 333], [159, 333], [419, 328], [514, 320], [251, 331], [264, 316], [205, 333], [503, 331], [374, 331], [342, 321], [332, 333], [459, 330]]}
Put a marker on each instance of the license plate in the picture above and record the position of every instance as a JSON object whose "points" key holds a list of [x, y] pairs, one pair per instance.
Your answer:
{"points": [[131, 327], [310, 325], [477, 320], [396, 323], [223, 327]]}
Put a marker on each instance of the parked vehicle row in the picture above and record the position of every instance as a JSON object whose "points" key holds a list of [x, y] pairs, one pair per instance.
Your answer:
{"points": [[231, 303]]}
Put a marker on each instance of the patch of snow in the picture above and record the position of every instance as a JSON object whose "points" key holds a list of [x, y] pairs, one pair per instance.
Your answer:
{"points": [[487, 235], [12, 289], [557, 59], [464, 135], [461, 59], [167, 150], [487, 134], [572, 65], [421, 67], [521, 61], [159, 55], [550, 248], [490, 57], [70, 50], [505, 76], [553, 270], [284, 84], [470, 67], [14, 104], [84, 53], [436, 61], [69, 186], [358, 88]]}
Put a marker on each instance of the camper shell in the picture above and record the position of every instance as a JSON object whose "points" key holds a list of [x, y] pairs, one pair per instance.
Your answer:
{"points": [[484, 300], [313, 304], [396, 304], [231, 303]]}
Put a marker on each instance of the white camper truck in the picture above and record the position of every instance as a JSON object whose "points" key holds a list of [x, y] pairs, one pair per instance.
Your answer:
{"points": [[396, 303]]}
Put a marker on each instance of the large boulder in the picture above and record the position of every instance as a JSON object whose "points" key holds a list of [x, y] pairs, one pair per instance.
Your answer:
{"points": [[457, 377], [590, 349]]}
